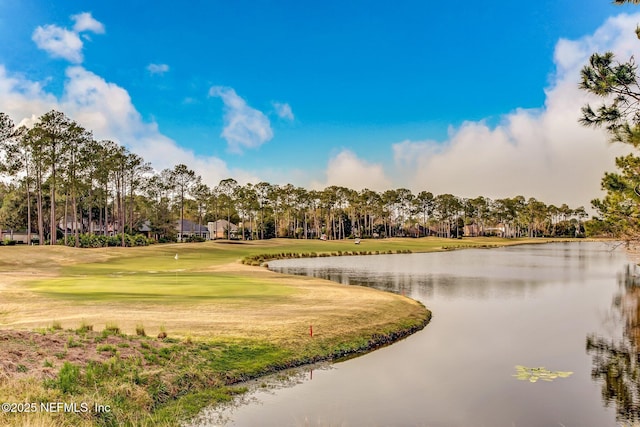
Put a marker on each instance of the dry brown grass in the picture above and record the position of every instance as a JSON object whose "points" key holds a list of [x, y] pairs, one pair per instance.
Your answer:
{"points": [[331, 308]]}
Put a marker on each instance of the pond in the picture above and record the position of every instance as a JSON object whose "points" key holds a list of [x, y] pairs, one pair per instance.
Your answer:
{"points": [[536, 335]]}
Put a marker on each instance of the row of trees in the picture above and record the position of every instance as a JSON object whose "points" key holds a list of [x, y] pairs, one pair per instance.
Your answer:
{"points": [[63, 181]]}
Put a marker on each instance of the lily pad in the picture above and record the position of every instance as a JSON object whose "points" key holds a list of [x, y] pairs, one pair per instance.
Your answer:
{"points": [[524, 373]]}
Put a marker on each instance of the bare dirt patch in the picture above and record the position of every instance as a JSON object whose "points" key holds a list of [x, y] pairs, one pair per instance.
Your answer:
{"points": [[26, 354]]}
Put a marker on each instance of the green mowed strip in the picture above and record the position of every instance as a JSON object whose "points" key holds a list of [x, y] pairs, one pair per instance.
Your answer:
{"points": [[177, 286]]}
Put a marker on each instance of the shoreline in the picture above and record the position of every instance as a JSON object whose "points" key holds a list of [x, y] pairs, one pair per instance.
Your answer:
{"points": [[200, 392]]}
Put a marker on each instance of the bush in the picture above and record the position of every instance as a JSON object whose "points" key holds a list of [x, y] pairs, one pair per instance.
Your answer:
{"points": [[111, 328], [68, 378], [99, 241], [140, 330]]}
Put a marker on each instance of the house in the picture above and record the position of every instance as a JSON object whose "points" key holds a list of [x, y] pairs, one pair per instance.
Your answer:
{"points": [[70, 225], [190, 228], [145, 228], [222, 229], [19, 236], [472, 230]]}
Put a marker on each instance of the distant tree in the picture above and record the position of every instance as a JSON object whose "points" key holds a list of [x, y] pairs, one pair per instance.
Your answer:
{"points": [[227, 191], [202, 197], [424, 205], [263, 190], [158, 189], [7, 142], [183, 180]]}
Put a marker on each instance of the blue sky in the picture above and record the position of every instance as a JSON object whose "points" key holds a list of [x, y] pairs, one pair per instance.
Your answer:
{"points": [[293, 92]]}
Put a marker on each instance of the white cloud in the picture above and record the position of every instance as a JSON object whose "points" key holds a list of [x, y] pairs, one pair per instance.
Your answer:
{"points": [[244, 127], [62, 43], [21, 98], [157, 68], [541, 153], [283, 110], [85, 22], [107, 110], [59, 43], [347, 170]]}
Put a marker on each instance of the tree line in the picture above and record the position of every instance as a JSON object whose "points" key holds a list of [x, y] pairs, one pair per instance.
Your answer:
{"points": [[63, 183]]}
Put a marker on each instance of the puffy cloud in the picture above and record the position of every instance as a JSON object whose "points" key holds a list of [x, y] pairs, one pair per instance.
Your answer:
{"points": [[543, 153], [347, 170], [63, 43], [157, 68], [22, 99], [107, 110], [244, 127], [283, 110], [85, 22], [59, 43]]}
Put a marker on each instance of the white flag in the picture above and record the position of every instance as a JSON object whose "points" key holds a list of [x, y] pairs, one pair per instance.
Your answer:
{"points": [[176, 257]]}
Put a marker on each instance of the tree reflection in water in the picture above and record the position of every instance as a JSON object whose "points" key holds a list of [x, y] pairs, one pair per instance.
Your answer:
{"points": [[616, 362]]}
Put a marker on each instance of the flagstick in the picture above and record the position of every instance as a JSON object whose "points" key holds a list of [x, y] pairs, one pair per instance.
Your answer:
{"points": [[176, 258]]}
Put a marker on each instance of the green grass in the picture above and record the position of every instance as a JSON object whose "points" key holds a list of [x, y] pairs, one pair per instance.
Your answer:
{"points": [[168, 288], [261, 325], [152, 274]]}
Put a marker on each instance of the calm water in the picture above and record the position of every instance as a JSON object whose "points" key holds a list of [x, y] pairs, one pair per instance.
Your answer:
{"points": [[565, 307]]}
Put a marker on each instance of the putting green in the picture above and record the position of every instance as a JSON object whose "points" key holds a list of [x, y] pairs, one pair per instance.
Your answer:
{"points": [[168, 287]]}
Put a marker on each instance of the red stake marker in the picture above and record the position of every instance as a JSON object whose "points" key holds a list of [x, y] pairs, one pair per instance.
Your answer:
{"points": [[311, 330]]}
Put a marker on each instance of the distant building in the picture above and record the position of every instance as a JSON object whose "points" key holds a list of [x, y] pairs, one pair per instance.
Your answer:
{"points": [[145, 228], [472, 230], [222, 229], [70, 225], [190, 228], [20, 236]]}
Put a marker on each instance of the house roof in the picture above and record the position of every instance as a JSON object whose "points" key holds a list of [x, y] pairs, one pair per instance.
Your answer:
{"points": [[191, 226], [221, 224], [145, 227]]}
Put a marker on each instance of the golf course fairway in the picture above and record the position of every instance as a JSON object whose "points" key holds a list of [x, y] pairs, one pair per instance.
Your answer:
{"points": [[156, 333]]}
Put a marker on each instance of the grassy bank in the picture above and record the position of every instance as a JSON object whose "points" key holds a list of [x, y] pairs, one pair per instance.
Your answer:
{"points": [[82, 325]]}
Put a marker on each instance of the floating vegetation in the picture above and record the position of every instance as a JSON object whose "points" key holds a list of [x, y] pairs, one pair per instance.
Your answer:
{"points": [[532, 375]]}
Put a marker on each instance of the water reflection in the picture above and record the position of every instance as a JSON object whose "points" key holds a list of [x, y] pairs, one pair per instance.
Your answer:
{"points": [[616, 361], [470, 274], [267, 385], [494, 309]]}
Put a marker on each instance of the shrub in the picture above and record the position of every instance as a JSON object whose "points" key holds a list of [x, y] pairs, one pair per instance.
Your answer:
{"points": [[112, 328], [163, 333], [140, 330], [71, 343], [109, 348], [85, 327], [56, 326], [68, 378]]}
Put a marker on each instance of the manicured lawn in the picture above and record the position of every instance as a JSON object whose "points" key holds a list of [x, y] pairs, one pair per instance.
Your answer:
{"points": [[224, 321]]}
